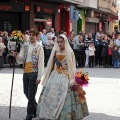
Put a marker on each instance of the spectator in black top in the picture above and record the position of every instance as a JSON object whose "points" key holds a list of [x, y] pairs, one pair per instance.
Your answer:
{"points": [[104, 53], [98, 47], [115, 57]]}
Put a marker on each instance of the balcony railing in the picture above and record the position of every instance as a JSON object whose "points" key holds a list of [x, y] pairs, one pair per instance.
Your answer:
{"points": [[78, 2], [75, 1]]}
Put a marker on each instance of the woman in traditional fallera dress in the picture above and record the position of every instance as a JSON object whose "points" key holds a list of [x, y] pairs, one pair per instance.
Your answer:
{"points": [[58, 101]]}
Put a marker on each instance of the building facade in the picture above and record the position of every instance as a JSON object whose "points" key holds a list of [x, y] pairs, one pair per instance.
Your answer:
{"points": [[37, 13], [108, 14], [99, 14], [42, 15], [65, 15], [12, 18], [89, 19]]}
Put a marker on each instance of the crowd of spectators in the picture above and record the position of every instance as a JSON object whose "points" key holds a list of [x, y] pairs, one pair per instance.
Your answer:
{"points": [[91, 50]]}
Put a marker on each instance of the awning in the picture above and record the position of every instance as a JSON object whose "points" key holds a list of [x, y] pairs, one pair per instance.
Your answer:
{"points": [[39, 20], [92, 20], [112, 17]]}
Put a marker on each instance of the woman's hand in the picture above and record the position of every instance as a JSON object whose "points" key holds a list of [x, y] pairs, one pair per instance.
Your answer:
{"points": [[14, 54]]}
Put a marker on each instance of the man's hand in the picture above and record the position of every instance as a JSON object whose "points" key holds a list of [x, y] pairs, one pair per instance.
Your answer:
{"points": [[82, 44], [37, 82], [14, 54]]}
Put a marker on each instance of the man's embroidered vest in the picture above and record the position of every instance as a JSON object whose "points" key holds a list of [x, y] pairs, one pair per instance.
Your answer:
{"points": [[34, 57]]}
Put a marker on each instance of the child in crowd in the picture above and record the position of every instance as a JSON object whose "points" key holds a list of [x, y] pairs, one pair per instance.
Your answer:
{"points": [[91, 54], [115, 57]]}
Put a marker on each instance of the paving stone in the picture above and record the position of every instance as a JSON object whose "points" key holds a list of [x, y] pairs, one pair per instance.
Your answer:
{"points": [[103, 94]]}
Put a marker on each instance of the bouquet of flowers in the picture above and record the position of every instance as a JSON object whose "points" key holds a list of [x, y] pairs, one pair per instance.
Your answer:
{"points": [[17, 36], [81, 79]]}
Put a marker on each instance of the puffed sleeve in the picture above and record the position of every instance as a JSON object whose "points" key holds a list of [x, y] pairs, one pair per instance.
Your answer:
{"points": [[40, 63], [72, 80], [19, 57]]}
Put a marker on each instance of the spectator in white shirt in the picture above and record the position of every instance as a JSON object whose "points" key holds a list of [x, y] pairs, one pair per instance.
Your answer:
{"points": [[49, 43], [52, 33]]}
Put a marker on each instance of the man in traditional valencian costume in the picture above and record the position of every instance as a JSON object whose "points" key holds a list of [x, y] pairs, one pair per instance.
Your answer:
{"points": [[32, 56]]}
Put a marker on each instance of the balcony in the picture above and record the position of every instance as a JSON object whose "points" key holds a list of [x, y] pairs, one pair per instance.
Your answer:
{"points": [[77, 2], [89, 4], [102, 4], [107, 6]]}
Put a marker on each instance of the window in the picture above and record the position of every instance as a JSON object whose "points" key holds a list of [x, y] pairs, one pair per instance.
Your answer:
{"points": [[108, 0], [7, 26]]}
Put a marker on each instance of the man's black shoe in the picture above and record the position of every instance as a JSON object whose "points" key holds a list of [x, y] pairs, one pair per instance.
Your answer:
{"points": [[28, 118], [34, 116]]}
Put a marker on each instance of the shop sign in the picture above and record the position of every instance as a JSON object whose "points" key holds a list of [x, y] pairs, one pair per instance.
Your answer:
{"points": [[38, 9], [49, 22], [45, 9], [14, 7], [5, 7], [27, 8]]}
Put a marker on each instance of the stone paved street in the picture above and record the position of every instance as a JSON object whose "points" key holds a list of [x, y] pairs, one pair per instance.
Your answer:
{"points": [[103, 94]]}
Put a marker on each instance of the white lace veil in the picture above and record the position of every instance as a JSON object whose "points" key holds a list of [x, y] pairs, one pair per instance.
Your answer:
{"points": [[70, 62]]}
